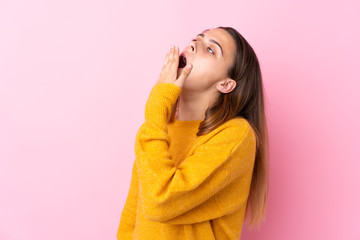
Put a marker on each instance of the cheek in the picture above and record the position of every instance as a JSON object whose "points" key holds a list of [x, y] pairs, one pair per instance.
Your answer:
{"points": [[202, 76], [208, 70], [203, 67]]}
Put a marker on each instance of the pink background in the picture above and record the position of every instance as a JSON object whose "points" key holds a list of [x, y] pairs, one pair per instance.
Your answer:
{"points": [[75, 76]]}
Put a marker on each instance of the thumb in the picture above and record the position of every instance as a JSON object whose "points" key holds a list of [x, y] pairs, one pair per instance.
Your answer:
{"points": [[184, 74]]}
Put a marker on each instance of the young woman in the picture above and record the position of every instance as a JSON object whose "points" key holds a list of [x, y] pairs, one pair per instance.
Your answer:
{"points": [[201, 154]]}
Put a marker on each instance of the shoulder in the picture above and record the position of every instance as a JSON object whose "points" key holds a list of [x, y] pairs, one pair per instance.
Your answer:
{"points": [[239, 127], [243, 133], [238, 122], [231, 133]]}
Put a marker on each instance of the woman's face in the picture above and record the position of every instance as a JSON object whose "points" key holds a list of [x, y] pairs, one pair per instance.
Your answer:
{"points": [[210, 61]]}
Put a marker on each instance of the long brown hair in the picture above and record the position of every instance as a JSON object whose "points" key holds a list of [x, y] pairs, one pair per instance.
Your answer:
{"points": [[247, 101]]}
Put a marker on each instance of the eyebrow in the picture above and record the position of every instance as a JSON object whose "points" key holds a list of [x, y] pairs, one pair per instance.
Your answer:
{"points": [[213, 41]]}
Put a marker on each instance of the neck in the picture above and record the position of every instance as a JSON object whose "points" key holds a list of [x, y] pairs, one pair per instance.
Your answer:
{"points": [[192, 106]]}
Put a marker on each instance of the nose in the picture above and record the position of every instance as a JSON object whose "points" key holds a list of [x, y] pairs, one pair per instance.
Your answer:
{"points": [[193, 47]]}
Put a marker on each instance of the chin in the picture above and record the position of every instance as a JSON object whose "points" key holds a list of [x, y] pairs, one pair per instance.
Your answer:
{"points": [[191, 86]]}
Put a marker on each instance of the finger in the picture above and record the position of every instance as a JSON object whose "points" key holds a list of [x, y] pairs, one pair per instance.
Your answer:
{"points": [[169, 56], [166, 57], [175, 61], [171, 53], [167, 64], [175, 52], [167, 60], [184, 74]]}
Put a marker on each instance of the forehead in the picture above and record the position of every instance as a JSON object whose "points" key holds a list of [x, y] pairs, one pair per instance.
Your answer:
{"points": [[224, 39]]}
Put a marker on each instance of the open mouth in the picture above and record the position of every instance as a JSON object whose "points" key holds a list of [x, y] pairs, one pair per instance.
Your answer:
{"points": [[182, 61]]}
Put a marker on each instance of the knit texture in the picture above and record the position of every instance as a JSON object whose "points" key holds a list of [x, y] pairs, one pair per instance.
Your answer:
{"points": [[185, 186]]}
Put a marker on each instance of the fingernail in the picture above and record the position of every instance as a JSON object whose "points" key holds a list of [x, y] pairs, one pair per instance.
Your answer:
{"points": [[189, 66]]}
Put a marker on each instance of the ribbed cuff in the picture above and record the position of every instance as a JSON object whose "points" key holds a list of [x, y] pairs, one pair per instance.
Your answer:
{"points": [[158, 106]]}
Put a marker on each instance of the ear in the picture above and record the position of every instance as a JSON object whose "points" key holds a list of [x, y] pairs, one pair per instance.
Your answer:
{"points": [[226, 86]]}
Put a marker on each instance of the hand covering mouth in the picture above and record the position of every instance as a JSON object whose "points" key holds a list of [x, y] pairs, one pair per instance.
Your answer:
{"points": [[182, 61]]}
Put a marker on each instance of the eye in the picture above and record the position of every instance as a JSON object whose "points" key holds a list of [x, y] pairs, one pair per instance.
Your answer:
{"points": [[212, 52]]}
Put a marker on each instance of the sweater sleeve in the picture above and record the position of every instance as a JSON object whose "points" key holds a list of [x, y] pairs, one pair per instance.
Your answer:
{"points": [[185, 194], [128, 215]]}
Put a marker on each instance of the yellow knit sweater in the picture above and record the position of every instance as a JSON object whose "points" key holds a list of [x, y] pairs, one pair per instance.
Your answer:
{"points": [[184, 186]]}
